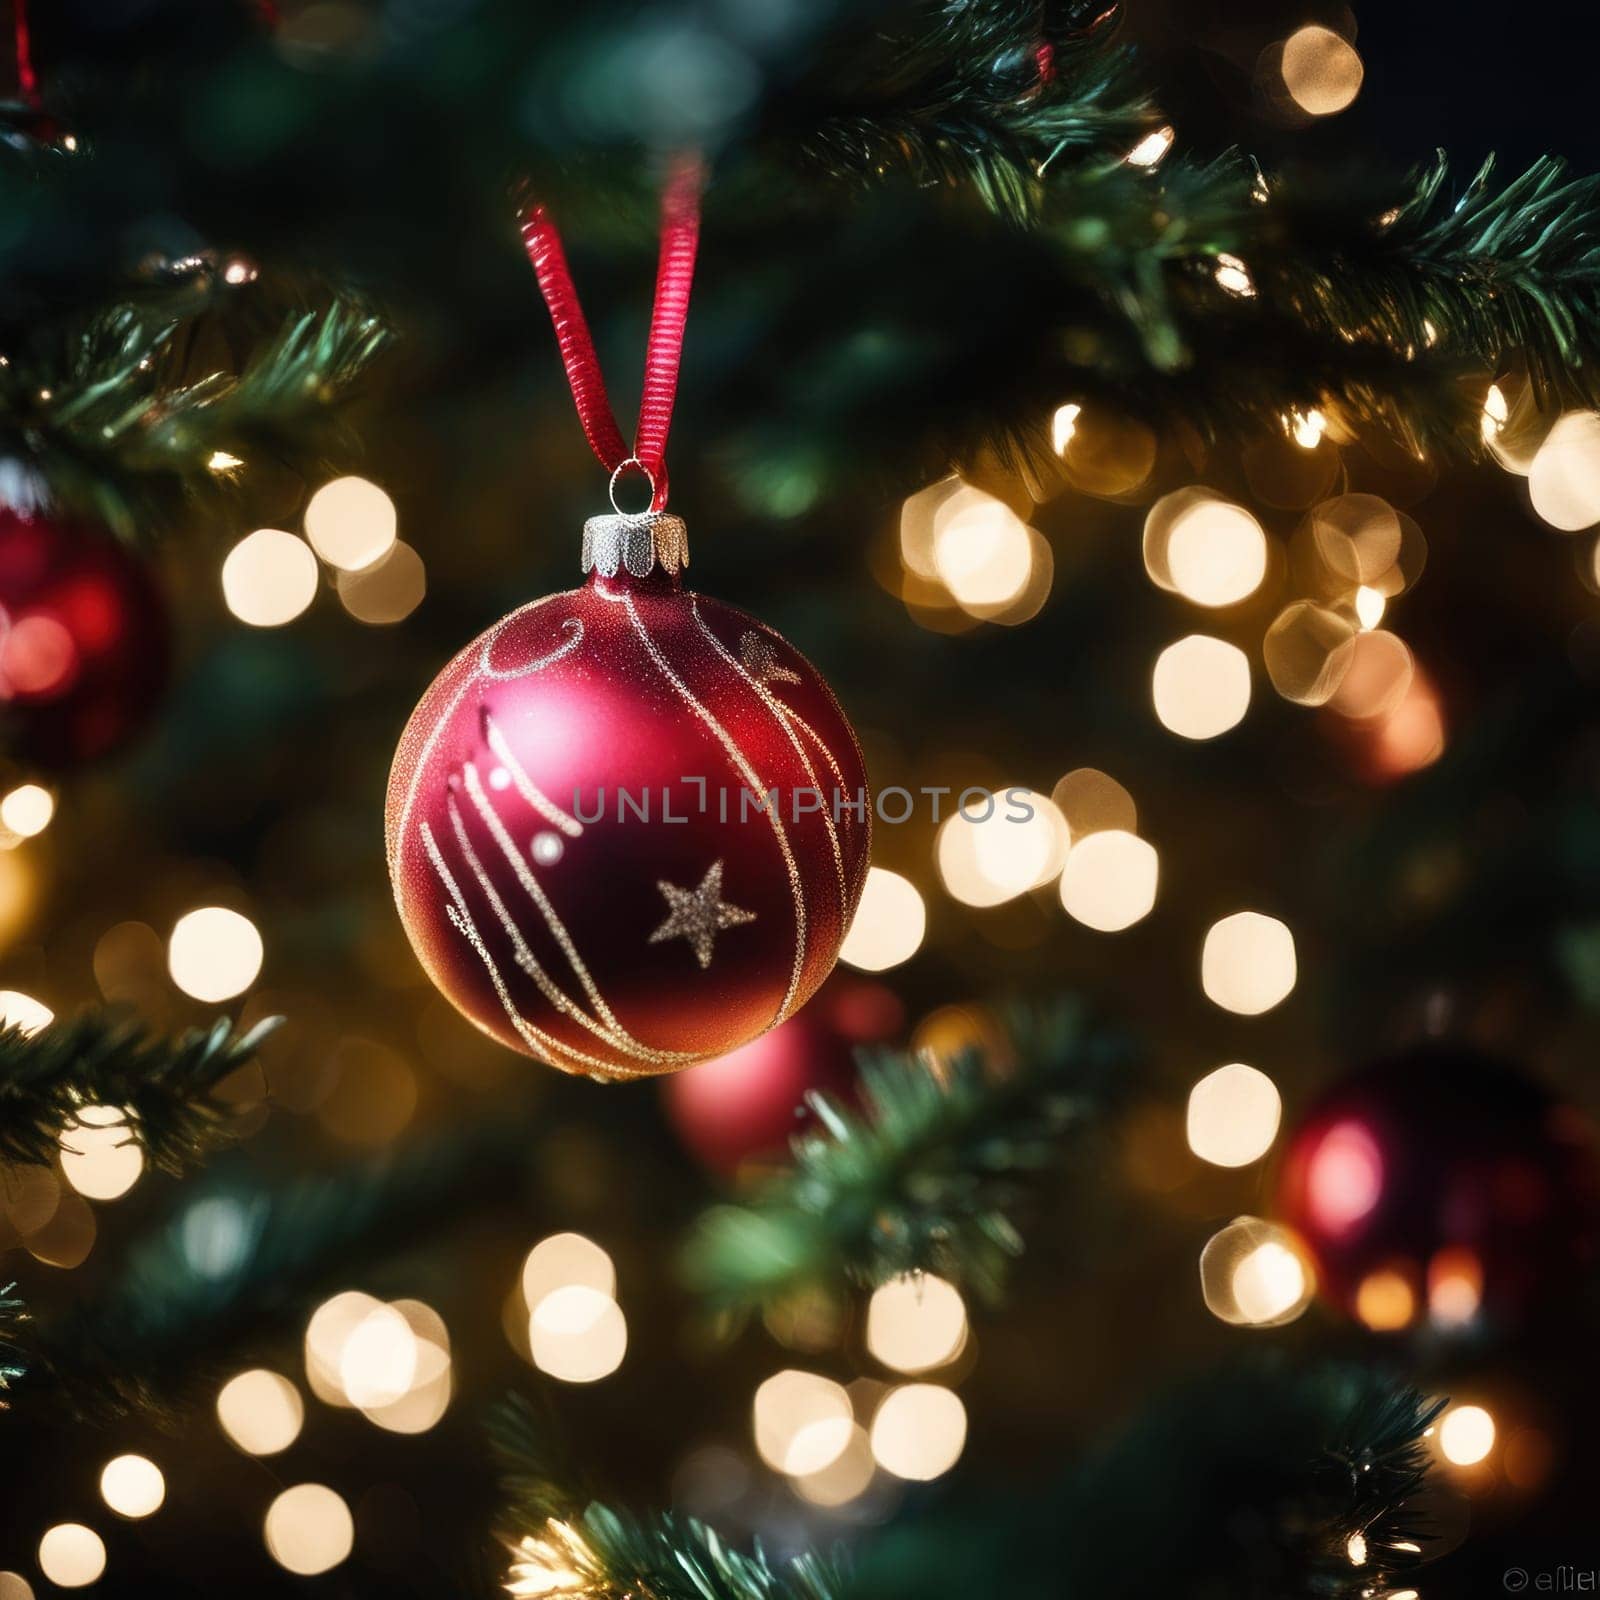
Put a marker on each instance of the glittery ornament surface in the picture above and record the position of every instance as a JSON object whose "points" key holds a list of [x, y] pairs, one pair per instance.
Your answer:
{"points": [[627, 828]]}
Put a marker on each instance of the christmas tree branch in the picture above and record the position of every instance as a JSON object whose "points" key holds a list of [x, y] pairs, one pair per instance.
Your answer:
{"points": [[13, 1361], [925, 1176], [1272, 1483], [165, 1089], [112, 419], [237, 1263]]}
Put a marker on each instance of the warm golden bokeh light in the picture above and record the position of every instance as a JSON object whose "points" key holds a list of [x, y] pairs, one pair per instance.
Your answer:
{"points": [[1321, 71], [386, 592], [845, 1478], [1564, 479], [1109, 881], [132, 1486], [1091, 801], [578, 1334], [1307, 651], [982, 554], [1455, 1287], [1357, 536], [802, 1422], [919, 1431], [1247, 963], [1370, 604], [13, 1586], [1000, 846], [260, 1411], [888, 925], [916, 1322], [1200, 687], [327, 1331], [18, 1010], [378, 1359], [1466, 1435], [1377, 677], [100, 1157], [1385, 1300], [27, 810], [71, 1555], [1233, 1115], [562, 1259], [309, 1529], [350, 523], [1216, 553], [1233, 276], [214, 953], [1253, 1274], [269, 578]]}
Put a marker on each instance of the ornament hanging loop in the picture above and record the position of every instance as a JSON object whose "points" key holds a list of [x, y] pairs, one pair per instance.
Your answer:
{"points": [[636, 465]]}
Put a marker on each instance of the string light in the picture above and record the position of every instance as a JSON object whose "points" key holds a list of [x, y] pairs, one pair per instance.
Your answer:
{"points": [[1306, 428], [26, 811], [1150, 149], [889, 923], [1063, 425], [1233, 1115], [1370, 605], [132, 1486], [269, 578], [72, 1556], [1466, 1435], [309, 1529], [555, 1564], [1233, 276], [214, 953], [1247, 963], [18, 1010], [100, 1157], [260, 1411]]}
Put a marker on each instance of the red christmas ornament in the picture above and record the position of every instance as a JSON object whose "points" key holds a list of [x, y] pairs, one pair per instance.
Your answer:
{"points": [[628, 826], [83, 639], [1441, 1186], [751, 1102]]}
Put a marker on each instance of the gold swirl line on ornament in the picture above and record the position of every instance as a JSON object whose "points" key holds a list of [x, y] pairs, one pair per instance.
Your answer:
{"points": [[526, 787], [449, 712], [618, 1036], [524, 957], [572, 627], [536, 1039], [747, 772], [779, 710]]}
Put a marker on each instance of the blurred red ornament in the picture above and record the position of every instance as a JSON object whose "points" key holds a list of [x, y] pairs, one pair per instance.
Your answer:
{"points": [[751, 1102], [1440, 1186], [611, 823], [84, 641]]}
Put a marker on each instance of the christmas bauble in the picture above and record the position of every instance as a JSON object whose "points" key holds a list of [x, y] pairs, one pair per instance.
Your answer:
{"points": [[628, 826], [1441, 1186], [751, 1102], [84, 642]]}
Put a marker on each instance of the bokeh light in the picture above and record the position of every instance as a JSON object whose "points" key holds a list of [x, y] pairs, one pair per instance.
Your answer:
{"points": [[309, 1529], [562, 1259], [132, 1486], [387, 591], [916, 1322], [1466, 1435], [1376, 679], [13, 1586], [1247, 963], [801, 1422], [1091, 801], [1233, 1115], [982, 554], [578, 1334], [888, 925], [214, 953], [1455, 1287], [919, 1431], [27, 810], [71, 1555], [1150, 149], [260, 1411], [845, 1478], [1001, 845], [351, 523], [100, 1157], [1109, 881], [1253, 1274], [269, 578], [1204, 548], [1385, 1300], [1564, 479], [1201, 687], [18, 1010], [1321, 71]]}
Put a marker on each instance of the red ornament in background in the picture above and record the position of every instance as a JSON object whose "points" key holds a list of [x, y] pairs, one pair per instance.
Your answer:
{"points": [[751, 1102], [581, 837], [1441, 1186], [84, 642]]}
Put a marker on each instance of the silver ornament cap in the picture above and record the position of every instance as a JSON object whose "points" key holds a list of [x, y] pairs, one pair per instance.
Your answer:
{"points": [[638, 543]]}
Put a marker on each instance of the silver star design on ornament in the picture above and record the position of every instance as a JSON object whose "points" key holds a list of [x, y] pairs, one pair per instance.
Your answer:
{"points": [[761, 660], [699, 915]]}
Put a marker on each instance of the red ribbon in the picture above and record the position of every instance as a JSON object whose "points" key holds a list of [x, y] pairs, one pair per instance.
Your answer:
{"points": [[680, 235]]}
